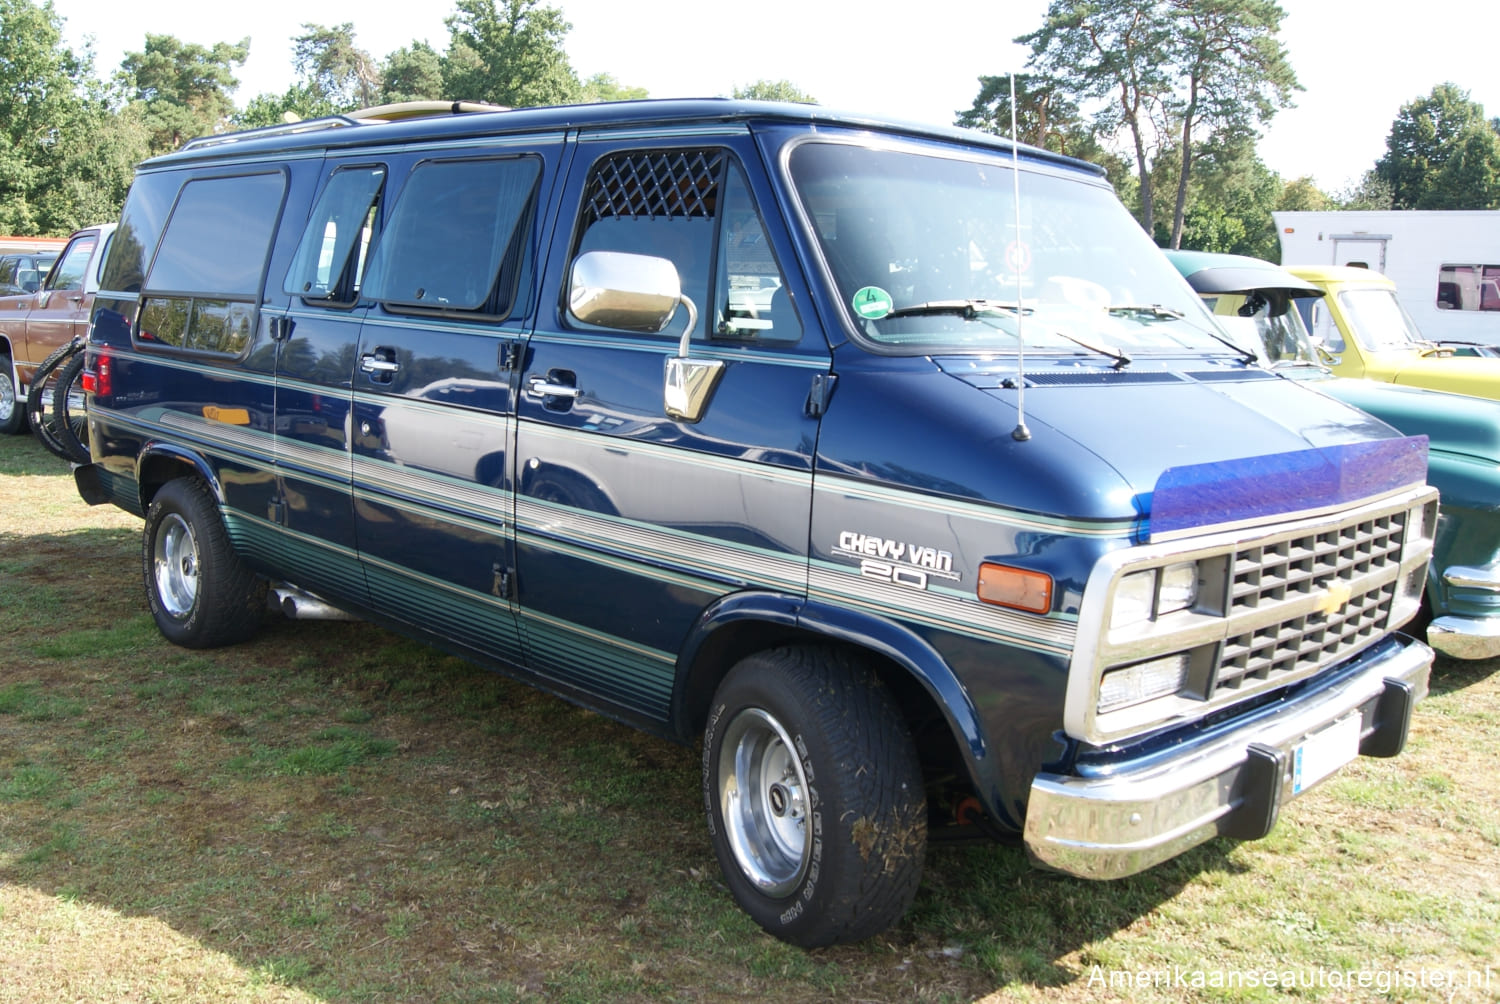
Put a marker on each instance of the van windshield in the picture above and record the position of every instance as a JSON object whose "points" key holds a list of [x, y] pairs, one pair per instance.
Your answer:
{"points": [[925, 254], [1379, 321]]}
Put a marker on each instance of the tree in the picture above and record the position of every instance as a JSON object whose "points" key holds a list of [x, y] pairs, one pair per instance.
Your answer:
{"points": [[508, 52], [1425, 134], [182, 91], [1303, 195], [1233, 70], [65, 157], [1470, 175], [604, 87], [1111, 50], [1045, 115], [328, 62], [774, 90], [414, 73]]}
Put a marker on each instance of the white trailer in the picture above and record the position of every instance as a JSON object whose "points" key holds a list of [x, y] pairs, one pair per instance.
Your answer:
{"points": [[1445, 263]]}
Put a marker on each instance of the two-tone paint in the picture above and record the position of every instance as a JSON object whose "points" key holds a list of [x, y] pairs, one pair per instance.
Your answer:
{"points": [[512, 490]]}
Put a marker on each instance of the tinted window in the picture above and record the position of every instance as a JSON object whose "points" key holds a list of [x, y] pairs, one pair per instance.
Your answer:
{"points": [[454, 240], [662, 203], [751, 298], [68, 273], [218, 236], [141, 221], [208, 325], [1468, 287], [331, 256]]}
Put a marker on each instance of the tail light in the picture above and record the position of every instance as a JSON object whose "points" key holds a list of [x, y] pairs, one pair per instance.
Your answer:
{"points": [[96, 378]]}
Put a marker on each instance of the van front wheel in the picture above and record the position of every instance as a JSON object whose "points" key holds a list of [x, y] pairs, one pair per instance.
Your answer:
{"points": [[201, 594], [12, 408], [814, 796]]}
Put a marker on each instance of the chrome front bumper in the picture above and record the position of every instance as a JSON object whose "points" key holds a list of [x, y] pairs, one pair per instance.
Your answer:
{"points": [[1134, 815], [1472, 637]]}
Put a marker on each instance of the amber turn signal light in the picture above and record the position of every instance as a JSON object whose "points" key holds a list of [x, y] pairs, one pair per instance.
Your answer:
{"points": [[1018, 588]]}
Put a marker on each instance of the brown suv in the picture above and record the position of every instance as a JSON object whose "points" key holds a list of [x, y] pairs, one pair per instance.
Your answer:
{"points": [[34, 324]]}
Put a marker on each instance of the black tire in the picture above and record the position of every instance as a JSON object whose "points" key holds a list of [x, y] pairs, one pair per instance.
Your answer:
{"points": [[36, 401], [200, 593], [12, 407], [814, 796], [69, 423]]}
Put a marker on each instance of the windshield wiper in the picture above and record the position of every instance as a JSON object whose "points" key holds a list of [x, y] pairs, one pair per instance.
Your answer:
{"points": [[979, 309], [1153, 310], [967, 309]]}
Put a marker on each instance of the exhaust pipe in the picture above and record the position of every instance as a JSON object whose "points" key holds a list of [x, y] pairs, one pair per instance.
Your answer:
{"points": [[299, 605]]}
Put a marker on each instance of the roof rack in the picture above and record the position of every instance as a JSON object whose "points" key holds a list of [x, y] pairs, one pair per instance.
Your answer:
{"points": [[286, 129], [422, 109], [378, 113]]}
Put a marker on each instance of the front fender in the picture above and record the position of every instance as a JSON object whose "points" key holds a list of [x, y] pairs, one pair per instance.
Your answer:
{"points": [[798, 617]]}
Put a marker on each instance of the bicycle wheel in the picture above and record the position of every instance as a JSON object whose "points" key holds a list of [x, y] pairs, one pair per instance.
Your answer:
{"points": [[37, 399], [70, 423]]}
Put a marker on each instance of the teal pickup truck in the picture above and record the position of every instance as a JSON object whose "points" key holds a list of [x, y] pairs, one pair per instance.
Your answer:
{"points": [[1255, 302]]}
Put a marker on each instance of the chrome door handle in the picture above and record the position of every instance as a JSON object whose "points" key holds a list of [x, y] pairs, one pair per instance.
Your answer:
{"points": [[540, 387], [370, 364]]}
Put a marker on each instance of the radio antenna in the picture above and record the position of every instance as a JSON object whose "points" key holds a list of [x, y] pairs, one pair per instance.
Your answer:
{"points": [[1020, 433]]}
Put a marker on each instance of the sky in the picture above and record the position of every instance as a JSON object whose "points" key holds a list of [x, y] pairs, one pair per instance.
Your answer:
{"points": [[1358, 62]]}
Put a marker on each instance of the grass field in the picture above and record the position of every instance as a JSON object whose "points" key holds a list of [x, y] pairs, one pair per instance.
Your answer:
{"points": [[333, 813]]}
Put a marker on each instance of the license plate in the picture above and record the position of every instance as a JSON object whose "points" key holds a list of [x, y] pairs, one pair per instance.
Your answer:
{"points": [[1322, 754]]}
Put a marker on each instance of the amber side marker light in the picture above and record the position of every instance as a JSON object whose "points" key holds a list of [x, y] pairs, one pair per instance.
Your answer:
{"points": [[1017, 588]]}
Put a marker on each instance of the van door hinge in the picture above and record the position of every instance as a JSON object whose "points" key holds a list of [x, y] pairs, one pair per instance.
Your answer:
{"points": [[509, 356], [821, 392], [503, 581]]}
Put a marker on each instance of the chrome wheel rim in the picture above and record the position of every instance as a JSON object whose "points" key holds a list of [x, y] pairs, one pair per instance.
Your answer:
{"points": [[175, 563], [7, 397], [764, 796]]}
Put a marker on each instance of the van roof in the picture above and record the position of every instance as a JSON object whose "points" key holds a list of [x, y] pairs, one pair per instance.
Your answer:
{"points": [[462, 119], [1340, 273]]}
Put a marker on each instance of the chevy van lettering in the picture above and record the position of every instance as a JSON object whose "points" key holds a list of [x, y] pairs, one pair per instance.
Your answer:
{"points": [[711, 576]]}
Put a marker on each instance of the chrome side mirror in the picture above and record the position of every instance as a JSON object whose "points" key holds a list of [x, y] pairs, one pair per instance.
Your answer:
{"points": [[635, 292]]}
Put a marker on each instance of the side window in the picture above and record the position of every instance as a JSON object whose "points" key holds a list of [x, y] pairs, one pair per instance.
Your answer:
{"points": [[663, 203], [1323, 330], [68, 272], [141, 222], [456, 239], [1468, 287], [8, 268], [751, 301], [203, 286], [331, 257]]}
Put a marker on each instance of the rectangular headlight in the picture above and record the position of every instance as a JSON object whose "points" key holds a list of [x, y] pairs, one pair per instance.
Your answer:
{"points": [[1120, 688], [1134, 596]]}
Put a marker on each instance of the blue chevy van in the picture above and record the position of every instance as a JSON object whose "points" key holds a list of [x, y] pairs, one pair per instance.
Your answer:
{"points": [[894, 464]]}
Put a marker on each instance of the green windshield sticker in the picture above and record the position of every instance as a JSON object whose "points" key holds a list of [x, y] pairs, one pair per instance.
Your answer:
{"points": [[873, 303]]}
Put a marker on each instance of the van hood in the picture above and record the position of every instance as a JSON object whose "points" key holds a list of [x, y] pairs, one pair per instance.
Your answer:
{"points": [[1454, 423], [1155, 428], [1476, 376]]}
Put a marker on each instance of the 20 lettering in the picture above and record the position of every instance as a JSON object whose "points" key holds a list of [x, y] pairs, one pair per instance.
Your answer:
{"points": [[900, 575]]}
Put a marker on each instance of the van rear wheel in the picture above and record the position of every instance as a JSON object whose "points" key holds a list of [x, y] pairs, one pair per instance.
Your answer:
{"points": [[814, 796], [201, 594]]}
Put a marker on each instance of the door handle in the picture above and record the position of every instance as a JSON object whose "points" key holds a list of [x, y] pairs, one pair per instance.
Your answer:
{"points": [[374, 364], [541, 387]]}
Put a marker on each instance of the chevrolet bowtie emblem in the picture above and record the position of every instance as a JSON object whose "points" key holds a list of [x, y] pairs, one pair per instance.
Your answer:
{"points": [[1334, 599]]}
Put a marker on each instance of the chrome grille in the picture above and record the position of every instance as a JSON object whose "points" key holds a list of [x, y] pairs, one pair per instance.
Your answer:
{"points": [[1310, 564], [1274, 607], [1303, 643]]}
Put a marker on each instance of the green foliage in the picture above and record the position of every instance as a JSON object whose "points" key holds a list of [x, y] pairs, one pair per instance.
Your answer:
{"points": [[63, 163], [1045, 115], [413, 73], [332, 67], [508, 52], [1159, 72], [1428, 134], [182, 90], [774, 90], [604, 87]]}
